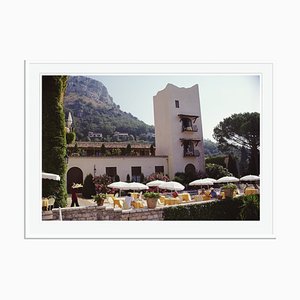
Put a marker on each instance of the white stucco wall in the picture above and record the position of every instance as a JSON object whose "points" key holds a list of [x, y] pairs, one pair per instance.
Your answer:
{"points": [[168, 128], [123, 164]]}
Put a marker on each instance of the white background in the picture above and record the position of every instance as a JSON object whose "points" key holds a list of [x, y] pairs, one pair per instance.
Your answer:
{"points": [[218, 31]]}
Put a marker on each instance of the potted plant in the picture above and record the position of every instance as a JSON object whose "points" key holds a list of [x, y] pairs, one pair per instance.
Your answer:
{"points": [[228, 189], [151, 198], [99, 198]]}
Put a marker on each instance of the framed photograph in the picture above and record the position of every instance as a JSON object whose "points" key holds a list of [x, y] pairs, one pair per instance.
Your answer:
{"points": [[184, 149]]}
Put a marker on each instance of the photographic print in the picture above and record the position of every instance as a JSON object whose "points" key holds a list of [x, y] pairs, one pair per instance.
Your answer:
{"points": [[176, 147]]}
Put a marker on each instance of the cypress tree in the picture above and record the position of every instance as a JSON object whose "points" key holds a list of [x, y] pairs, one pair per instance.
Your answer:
{"points": [[232, 166], [53, 137], [88, 188]]}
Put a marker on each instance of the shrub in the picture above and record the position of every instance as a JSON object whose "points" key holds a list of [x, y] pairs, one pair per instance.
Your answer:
{"points": [[228, 209], [250, 209], [151, 195], [70, 137], [88, 188], [216, 171], [101, 182], [128, 178]]}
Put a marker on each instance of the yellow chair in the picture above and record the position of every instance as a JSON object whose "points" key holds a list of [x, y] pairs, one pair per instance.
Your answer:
{"points": [[161, 200], [45, 203], [186, 197], [50, 203], [137, 204], [118, 202], [249, 191], [206, 196]]}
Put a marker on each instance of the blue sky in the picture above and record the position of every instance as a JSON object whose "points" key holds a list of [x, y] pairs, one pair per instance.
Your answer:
{"points": [[220, 95]]}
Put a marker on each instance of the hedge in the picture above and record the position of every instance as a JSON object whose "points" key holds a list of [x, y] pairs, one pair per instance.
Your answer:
{"points": [[239, 208]]}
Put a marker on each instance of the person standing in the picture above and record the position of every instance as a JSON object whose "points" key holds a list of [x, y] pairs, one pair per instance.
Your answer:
{"points": [[74, 197]]}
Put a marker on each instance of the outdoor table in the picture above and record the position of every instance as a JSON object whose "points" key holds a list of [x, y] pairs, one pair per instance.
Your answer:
{"points": [[251, 191], [137, 204], [45, 203]]}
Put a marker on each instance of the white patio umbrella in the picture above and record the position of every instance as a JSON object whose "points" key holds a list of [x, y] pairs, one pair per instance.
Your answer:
{"points": [[250, 178], [155, 183], [119, 185], [136, 186], [50, 176], [210, 179], [227, 179], [171, 185], [201, 182]]}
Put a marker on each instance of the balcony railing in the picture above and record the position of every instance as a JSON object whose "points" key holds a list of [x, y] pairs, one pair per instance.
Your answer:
{"points": [[193, 128], [194, 153]]}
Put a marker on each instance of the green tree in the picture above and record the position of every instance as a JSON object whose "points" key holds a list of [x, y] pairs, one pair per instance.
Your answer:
{"points": [[128, 178], [103, 149], [70, 137], [88, 188], [232, 165], [243, 162], [53, 137], [128, 150], [241, 130], [216, 171]]}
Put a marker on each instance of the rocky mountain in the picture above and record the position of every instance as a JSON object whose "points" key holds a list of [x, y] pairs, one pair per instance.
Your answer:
{"points": [[93, 109]]}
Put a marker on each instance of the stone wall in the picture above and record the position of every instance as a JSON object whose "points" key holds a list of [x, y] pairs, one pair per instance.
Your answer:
{"points": [[106, 214]]}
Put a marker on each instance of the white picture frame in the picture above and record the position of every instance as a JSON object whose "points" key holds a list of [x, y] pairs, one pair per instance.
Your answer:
{"points": [[35, 228]]}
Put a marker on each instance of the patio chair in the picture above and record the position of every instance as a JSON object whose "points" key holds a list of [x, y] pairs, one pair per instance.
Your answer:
{"points": [[118, 202], [51, 203]]}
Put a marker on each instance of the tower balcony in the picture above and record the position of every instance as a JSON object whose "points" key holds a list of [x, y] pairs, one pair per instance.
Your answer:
{"points": [[194, 153], [189, 147], [193, 128], [188, 122]]}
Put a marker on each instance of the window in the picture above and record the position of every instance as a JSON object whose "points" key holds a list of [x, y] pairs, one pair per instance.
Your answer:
{"points": [[111, 171], [177, 103], [159, 169], [136, 173], [188, 148]]}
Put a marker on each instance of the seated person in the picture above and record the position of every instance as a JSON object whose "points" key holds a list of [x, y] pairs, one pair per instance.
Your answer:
{"points": [[128, 200], [175, 194], [202, 192], [213, 193]]}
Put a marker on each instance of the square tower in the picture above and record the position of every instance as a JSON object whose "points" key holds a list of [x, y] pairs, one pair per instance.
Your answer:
{"points": [[178, 128]]}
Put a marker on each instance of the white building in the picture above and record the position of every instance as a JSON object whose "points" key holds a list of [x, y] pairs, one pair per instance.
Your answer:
{"points": [[178, 138], [178, 128], [92, 134]]}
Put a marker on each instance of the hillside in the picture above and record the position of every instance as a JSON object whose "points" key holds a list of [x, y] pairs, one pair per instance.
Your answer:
{"points": [[93, 109]]}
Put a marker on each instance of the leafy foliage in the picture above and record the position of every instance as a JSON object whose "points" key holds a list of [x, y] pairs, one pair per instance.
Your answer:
{"points": [[70, 137], [101, 182], [239, 208], [211, 148], [219, 160], [53, 137], [151, 195], [216, 171], [241, 130], [88, 188], [157, 176]]}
